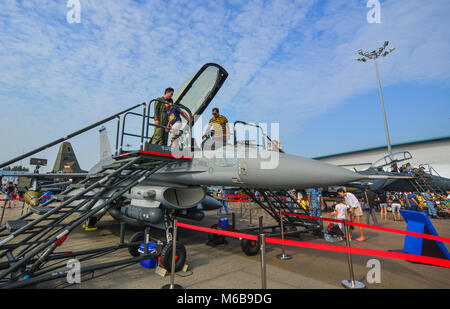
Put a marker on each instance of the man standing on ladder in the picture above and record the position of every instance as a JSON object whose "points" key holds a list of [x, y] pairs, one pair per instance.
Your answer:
{"points": [[160, 135]]}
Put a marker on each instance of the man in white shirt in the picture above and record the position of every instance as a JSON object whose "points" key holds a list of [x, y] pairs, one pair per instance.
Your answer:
{"points": [[354, 208]]}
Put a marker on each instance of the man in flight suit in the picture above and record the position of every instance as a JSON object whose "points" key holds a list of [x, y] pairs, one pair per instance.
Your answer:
{"points": [[160, 136]]}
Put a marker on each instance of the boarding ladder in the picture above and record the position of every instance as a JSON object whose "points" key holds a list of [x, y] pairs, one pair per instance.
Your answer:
{"points": [[422, 184], [270, 201], [272, 204], [30, 242]]}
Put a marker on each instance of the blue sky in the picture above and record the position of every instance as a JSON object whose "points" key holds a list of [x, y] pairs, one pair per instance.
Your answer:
{"points": [[289, 62]]}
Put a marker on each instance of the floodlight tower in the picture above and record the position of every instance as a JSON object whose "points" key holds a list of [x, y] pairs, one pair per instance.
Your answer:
{"points": [[374, 55]]}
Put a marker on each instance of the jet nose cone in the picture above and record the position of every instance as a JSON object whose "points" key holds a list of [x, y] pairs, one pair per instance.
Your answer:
{"points": [[293, 172]]}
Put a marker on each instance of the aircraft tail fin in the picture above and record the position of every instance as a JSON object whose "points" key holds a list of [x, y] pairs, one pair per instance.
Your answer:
{"points": [[105, 147], [66, 161]]}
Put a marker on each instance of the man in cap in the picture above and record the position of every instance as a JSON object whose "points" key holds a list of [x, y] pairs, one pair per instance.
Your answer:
{"points": [[355, 209]]}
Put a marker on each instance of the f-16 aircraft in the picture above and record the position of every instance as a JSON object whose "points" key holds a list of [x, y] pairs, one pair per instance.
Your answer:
{"points": [[152, 186], [411, 180]]}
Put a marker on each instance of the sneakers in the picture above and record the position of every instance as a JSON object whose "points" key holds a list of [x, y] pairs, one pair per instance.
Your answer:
{"points": [[361, 239]]}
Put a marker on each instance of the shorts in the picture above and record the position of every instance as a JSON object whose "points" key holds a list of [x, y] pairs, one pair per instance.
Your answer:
{"points": [[396, 207], [8, 197], [384, 205], [357, 212], [176, 129]]}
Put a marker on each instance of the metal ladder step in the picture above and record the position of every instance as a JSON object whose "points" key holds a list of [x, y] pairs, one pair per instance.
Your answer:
{"points": [[14, 225], [40, 210], [63, 198], [78, 186]]}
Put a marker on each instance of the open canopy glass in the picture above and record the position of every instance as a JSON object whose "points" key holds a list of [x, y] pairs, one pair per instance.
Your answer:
{"points": [[199, 90]]}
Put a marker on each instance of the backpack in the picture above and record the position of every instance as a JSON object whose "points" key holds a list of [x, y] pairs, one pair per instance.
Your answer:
{"points": [[333, 229]]}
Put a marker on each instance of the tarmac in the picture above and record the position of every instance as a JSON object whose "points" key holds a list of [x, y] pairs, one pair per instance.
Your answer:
{"points": [[227, 267]]}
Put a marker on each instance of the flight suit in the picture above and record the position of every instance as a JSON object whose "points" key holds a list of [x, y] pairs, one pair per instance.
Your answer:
{"points": [[160, 136], [430, 203], [315, 195]]}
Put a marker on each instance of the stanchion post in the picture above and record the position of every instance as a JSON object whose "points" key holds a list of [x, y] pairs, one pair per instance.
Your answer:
{"points": [[250, 214], [172, 284], [122, 233], [3, 211], [262, 242], [147, 240], [283, 255], [352, 283], [23, 207], [241, 208]]}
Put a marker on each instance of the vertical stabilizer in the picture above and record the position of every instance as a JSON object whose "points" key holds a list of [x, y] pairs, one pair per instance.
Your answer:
{"points": [[105, 147], [66, 161]]}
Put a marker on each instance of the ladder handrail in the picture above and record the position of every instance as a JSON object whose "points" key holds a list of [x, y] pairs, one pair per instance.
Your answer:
{"points": [[50, 244], [430, 169], [62, 139], [148, 124]]}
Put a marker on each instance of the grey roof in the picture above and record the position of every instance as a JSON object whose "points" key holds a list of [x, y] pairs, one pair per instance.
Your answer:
{"points": [[385, 146]]}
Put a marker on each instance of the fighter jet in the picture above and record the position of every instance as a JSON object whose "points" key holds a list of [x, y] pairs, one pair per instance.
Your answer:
{"points": [[415, 180], [154, 185], [179, 187]]}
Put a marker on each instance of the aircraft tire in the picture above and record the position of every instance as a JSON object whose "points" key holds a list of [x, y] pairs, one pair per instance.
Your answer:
{"points": [[250, 247], [139, 236], [166, 256]]}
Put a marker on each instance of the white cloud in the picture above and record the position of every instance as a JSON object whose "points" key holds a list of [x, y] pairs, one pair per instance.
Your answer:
{"points": [[320, 72]]}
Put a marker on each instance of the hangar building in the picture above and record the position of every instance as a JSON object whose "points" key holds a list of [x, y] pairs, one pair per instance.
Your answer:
{"points": [[432, 152]]}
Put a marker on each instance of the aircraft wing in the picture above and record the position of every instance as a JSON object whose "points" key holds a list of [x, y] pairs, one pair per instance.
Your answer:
{"points": [[387, 177]]}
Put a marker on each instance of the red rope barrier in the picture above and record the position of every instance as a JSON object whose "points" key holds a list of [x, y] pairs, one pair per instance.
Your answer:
{"points": [[239, 196], [18, 199], [385, 229], [361, 251], [11, 199], [334, 248], [215, 231]]}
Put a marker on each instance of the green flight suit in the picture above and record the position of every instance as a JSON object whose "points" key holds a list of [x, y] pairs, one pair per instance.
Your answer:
{"points": [[160, 136]]}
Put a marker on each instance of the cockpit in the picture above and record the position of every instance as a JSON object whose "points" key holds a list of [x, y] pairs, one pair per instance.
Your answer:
{"points": [[192, 98]]}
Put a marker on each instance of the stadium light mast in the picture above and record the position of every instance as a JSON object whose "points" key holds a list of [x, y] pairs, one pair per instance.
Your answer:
{"points": [[374, 55]]}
